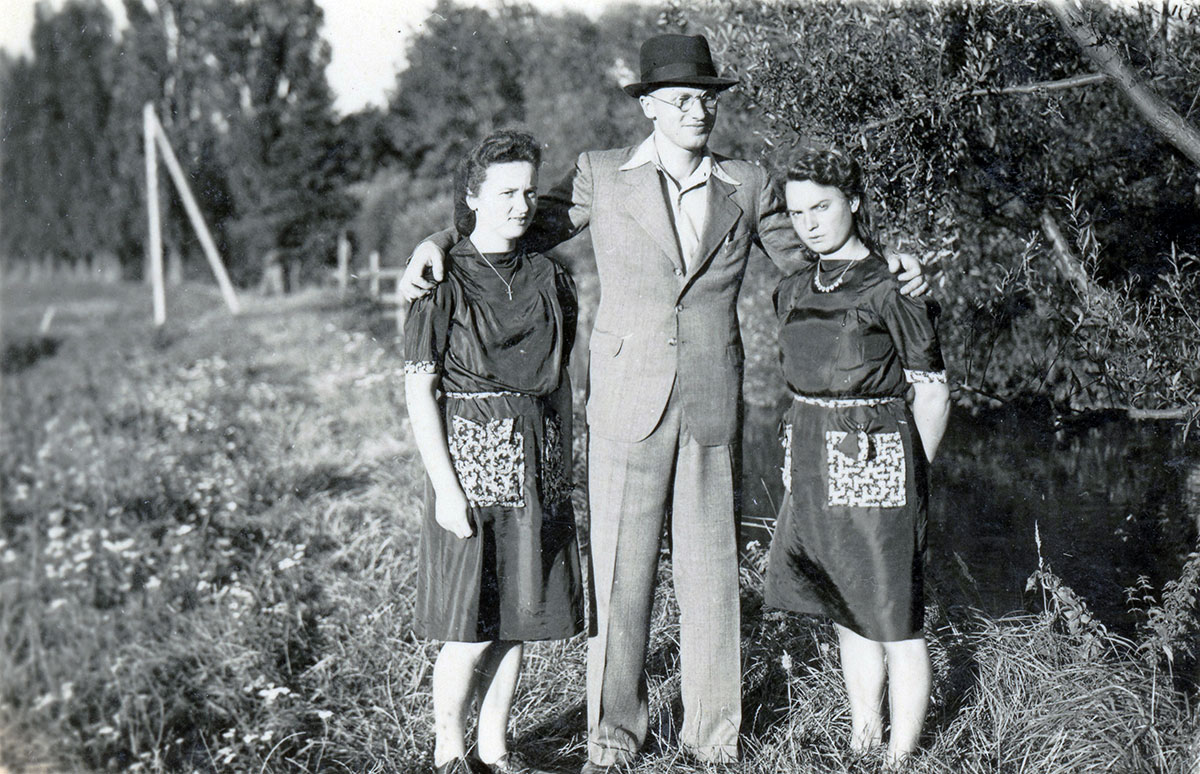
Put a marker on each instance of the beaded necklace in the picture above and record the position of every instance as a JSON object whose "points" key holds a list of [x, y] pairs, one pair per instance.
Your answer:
{"points": [[836, 283]]}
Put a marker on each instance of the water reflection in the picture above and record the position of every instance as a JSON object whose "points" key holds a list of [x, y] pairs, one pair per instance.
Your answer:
{"points": [[1107, 495]]}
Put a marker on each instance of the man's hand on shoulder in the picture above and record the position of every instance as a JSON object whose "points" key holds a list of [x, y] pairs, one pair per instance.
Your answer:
{"points": [[415, 284], [910, 272]]}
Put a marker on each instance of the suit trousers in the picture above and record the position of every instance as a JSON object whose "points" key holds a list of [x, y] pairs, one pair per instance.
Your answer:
{"points": [[630, 487]]}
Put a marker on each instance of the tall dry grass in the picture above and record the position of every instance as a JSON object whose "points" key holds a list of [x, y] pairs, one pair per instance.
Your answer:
{"points": [[206, 564]]}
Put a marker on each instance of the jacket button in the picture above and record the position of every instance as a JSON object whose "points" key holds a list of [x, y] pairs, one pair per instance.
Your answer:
{"points": [[678, 272], [671, 342], [679, 307]]}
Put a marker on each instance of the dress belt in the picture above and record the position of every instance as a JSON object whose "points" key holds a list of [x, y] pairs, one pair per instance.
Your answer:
{"points": [[843, 402], [482, 395]]}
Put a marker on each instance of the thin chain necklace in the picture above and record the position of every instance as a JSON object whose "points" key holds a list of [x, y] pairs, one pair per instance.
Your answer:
{"points": [[507, 284], [836, 283]]}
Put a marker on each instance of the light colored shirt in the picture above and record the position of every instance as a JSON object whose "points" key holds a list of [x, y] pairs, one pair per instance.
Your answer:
{"points": [[687, 198]]}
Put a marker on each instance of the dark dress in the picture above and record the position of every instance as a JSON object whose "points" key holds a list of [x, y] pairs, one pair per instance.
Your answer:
{"points": [[501, 363], [849, 543]]}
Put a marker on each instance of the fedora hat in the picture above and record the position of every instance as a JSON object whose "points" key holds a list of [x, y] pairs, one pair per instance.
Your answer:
{"points": [[677, 60]]}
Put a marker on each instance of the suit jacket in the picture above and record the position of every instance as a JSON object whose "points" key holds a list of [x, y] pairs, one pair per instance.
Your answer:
{"points": [[661, 325]]}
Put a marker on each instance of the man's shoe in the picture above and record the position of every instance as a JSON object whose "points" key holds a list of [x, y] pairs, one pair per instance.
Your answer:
{"points": [[599, 768], [694, 762], [514, 763], [454, 766], [596, 768]]}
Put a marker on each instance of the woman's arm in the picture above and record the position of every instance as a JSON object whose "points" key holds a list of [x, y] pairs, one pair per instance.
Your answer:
{"points": [[931, 411], [450, 504]]}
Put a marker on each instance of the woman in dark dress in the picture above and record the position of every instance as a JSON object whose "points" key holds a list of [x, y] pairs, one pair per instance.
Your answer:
{"points": [[850, 540], [499, 559]]}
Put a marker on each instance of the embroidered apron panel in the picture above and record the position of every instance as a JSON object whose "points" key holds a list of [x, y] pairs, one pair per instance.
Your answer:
{"points": [[786, 440], [490, 461], [555, 479], [872, 476]]}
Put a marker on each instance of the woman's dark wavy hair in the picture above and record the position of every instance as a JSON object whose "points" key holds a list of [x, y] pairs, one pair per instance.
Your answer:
{"points": [[497, 148], [828, 166]]}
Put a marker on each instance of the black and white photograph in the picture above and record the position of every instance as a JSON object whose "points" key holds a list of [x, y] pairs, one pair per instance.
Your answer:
{"points": [[600, 386]]}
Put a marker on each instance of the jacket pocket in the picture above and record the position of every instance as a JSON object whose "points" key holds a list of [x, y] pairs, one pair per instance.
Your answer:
{"points": [[605, 344]]}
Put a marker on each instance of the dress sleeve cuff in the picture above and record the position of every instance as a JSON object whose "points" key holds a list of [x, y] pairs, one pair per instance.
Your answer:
{"points": [[420, 367], [924, 377]]}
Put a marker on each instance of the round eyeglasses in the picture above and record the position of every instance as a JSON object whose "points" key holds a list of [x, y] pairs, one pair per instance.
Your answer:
{"points": [[684, 102]]}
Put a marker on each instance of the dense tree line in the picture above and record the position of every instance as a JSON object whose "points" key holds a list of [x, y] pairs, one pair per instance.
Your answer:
{"points": [[1064, 225], [241, 91]]}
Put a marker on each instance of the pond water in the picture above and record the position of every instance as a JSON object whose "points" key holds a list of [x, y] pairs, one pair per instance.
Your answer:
{"points": [[1107, 494]]}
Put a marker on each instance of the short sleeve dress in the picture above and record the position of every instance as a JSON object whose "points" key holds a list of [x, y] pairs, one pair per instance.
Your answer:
{"points": [[849, 543], [501, 361]]}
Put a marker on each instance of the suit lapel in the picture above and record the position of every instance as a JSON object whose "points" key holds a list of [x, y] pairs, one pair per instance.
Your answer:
{"points": [[720, 216], [645, 202]]}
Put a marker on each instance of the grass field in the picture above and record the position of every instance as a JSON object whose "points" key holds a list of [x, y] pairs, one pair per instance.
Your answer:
{"points": [[207, 552]]}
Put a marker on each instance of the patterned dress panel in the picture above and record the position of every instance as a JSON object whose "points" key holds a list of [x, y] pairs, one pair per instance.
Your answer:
{"points": [[556, 485], [490, 461], [872, 478]]}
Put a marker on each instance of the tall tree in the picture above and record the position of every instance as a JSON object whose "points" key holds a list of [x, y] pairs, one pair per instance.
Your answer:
{"points": [[1157, 112], [242, 93], [285, 155], [58, 159], [458, 86]]}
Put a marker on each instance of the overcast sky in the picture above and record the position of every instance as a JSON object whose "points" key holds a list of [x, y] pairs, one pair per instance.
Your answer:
{"points": [[367, 38]]}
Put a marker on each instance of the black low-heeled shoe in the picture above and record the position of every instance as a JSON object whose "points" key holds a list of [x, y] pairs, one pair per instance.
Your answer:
{"points": [[454, 766], [514, 763]]}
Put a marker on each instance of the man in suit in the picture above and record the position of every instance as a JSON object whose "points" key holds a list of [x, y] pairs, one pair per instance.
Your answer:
{"points": [[671, 224]]}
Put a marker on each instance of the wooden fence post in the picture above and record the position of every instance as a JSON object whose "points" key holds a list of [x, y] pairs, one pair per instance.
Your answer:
{"points": [[343, 257], [152, 214], [197, 219], [373, 268]]}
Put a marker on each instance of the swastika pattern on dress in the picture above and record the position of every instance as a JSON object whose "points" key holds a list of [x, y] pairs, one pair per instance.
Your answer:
{"points": [[872, 480]]}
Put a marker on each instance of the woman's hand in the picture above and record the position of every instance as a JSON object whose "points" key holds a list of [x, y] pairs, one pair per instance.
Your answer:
{"points": [[449, 503], [450, 510]]}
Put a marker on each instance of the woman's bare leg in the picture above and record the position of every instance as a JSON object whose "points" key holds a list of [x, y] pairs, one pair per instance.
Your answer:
{"points": [[453, 688], [910, 680], [498, 675], [864, 672]]}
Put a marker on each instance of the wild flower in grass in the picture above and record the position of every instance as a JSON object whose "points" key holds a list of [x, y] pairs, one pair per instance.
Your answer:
{"points": [[785, 661], [272, 692], [289, 562], [1062, 603], [121, 547]]}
